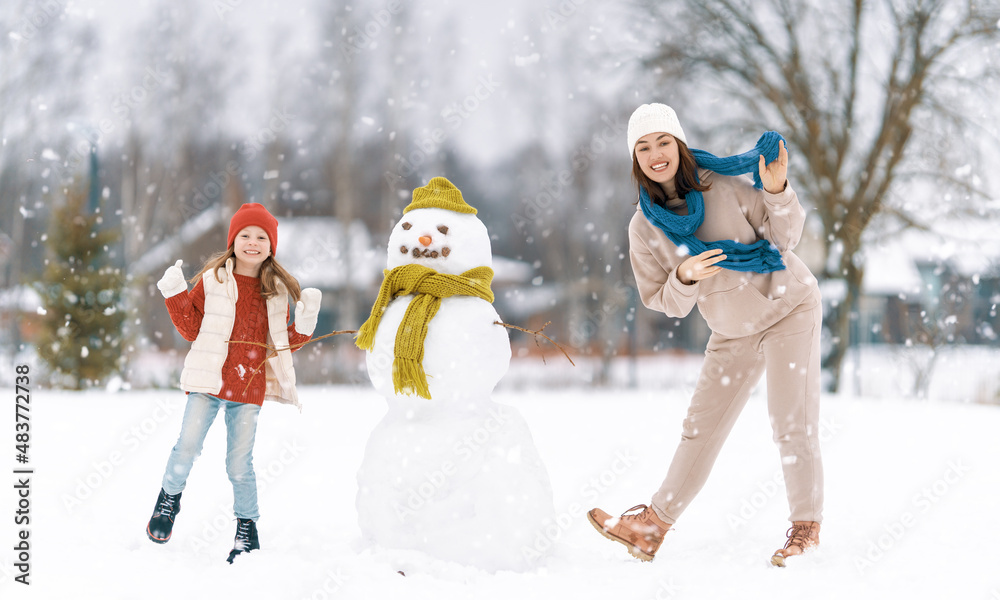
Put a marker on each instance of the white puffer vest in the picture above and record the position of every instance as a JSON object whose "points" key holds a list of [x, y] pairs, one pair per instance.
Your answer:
{"points": [[203, 364]]}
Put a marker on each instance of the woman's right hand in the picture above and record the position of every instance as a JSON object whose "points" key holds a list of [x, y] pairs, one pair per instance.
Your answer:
{"points": [[699, 267], [172, 282]]}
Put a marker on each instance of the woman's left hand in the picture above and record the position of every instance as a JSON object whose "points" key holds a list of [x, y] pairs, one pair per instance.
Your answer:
{"points": [[774, 176]]}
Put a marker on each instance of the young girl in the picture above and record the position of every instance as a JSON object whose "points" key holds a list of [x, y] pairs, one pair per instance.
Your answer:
{"points": [[241, 295], [702, 236]]}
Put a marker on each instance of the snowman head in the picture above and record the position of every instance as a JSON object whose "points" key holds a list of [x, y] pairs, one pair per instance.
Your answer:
{"points": [[440, 231]]}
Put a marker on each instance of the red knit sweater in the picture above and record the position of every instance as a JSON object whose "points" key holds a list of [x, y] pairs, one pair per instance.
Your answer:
{"points": [[239, 381]]}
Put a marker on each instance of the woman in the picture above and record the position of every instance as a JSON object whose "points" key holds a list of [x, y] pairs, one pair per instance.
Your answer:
{"points": [[702, 235]]}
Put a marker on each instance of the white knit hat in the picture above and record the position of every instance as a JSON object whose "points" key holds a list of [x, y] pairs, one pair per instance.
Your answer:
{"points": [[653, 118]]}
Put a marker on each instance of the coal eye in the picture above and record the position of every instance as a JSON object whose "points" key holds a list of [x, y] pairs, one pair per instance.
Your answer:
{"points": [[406, 226], [443, 229]]}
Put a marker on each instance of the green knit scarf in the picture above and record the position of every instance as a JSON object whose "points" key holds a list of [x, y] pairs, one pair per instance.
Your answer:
{"points": [[429, 287]]}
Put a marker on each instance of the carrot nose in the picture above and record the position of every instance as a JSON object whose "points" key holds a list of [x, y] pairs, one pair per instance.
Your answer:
{"points": [[425, 240]]}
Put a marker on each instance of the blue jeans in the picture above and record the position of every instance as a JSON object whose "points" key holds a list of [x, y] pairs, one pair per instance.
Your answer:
{"points": [[241, 428]]}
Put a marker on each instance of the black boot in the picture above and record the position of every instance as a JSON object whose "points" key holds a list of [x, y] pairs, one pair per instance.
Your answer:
{"points": [[161, 524], [246, 538]]}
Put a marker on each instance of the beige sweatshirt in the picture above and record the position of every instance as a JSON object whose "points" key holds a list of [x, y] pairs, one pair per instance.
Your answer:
{"points": [[734, 303]]}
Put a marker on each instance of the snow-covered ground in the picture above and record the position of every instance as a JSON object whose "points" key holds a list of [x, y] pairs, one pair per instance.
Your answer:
{"points": [[912, 495]]}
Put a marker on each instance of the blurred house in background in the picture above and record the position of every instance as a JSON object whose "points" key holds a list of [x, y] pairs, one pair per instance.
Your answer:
{"points": [[932, 288]]}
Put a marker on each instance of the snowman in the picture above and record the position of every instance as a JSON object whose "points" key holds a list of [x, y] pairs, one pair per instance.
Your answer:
{"points": [[447, 471]]}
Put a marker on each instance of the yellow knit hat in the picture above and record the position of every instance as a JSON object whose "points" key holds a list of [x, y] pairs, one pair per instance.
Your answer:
{"points": [[439, 193]]}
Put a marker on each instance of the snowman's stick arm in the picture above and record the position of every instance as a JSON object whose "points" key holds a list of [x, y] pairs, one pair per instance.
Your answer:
{"points": [[291, 346], [316, 339], [536, 334], [273, 351]]}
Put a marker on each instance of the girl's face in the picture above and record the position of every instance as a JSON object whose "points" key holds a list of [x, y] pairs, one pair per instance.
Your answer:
{"points": [[252, 247], [658, 156]]}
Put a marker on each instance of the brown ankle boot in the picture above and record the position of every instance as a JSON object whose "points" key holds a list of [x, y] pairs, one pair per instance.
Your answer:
{"points": [[641, 533], [801, 535]]}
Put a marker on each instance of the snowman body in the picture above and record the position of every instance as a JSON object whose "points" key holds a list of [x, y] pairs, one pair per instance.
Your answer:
{"points": [[465, 352], [456, 476]]}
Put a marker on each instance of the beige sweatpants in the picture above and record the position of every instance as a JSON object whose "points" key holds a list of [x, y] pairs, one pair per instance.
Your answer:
{"points": [[790, 352]]}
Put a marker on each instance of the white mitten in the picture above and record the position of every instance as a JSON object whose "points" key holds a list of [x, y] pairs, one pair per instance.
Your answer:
{"points": [[307, 310], [172, 282]]}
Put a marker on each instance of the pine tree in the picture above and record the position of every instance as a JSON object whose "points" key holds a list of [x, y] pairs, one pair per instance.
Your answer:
{"points": [[81, 293]]}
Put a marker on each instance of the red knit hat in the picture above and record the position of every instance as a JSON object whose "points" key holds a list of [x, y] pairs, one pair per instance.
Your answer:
{"points": [[254, 214]]}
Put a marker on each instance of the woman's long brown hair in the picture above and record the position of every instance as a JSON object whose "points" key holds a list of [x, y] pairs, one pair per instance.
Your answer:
{"points": [[685, 180], [270, 273]]}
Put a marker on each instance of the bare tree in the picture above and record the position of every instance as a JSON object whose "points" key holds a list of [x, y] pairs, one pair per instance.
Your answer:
{"points": [[862, 91]]}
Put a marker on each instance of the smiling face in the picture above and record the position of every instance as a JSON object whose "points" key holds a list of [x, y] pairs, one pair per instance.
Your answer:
{"points": [[252, 247], [658, 156], [443, 240]]}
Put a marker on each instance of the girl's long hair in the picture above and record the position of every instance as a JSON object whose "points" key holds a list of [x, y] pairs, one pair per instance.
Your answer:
{"points": [[270, 273], [685, 180]]}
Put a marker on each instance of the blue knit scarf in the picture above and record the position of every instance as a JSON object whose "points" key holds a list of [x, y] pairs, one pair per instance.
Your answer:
{"points": [[761, 256]]}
